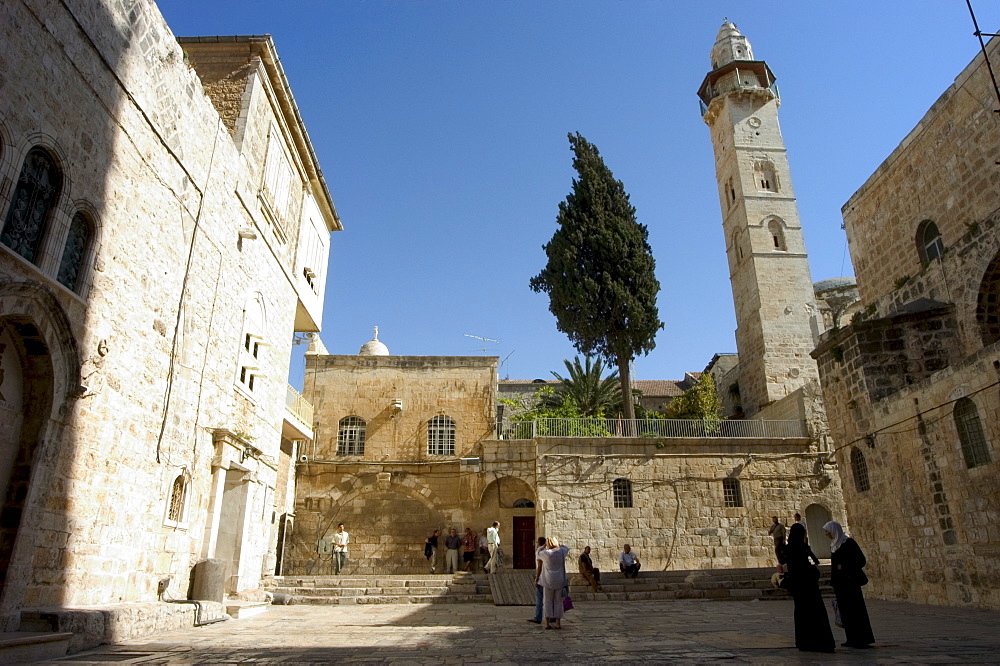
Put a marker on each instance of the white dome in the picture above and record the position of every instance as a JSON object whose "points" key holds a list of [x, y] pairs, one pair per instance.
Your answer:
{"points": [[373, 347]]}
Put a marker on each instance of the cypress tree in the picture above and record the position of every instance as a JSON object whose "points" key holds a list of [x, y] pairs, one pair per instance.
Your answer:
{"points": [[600, 275]]}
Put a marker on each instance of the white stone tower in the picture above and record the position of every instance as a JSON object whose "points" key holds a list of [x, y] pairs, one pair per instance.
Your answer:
{"points": [[772, 290]]}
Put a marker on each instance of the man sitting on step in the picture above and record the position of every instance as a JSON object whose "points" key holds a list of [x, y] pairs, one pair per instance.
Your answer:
{"points": [[589, 571], [629, 562]]}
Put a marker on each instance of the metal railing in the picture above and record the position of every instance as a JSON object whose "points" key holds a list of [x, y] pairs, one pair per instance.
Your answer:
{"points": [[299, 407], [650, 428]]}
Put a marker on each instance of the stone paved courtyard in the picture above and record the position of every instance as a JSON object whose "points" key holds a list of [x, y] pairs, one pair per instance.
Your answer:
{"points": [[595, 632]]}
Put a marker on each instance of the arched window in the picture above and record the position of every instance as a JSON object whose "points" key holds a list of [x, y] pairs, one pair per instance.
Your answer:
{"points": [[252, 345], [177, 507], [970, 433], [731, 492], [929, 243], [764, 176], [31, 206], [859, 468], [622, 493], [777, 232], [441, 436], [988, 303], [524, 503], [738, 244], [351, 436], [81, 231]]}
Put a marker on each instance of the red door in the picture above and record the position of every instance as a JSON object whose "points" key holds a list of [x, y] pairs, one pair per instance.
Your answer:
{"points": [[524, 542]]}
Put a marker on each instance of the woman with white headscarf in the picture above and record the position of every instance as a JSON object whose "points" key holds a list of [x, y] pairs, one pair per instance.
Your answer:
{"points": [[847, 576], [552, 580]]}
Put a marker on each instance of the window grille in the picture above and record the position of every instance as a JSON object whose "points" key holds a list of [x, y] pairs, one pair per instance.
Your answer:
{"points": [[34, 198], [351, 436], [731, 492], [859, 467], [777, 235], [441, 436], [74, 252], [178, 498], [970, 433], [622, 492]]}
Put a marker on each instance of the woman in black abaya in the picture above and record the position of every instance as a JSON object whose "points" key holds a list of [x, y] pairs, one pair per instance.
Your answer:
{"points": [[812, 625], [847, 577]]}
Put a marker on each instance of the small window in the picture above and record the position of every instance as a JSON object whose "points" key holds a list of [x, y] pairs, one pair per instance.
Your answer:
{"points": [[859, 468], [252, 345], [731, 492], [730, 192], [777, 231], [441, 436], [970, 433], [765, 176], [622, 490], [31, 206], [930, 246], [524, 503], [177, 508], [75, 251], [351, 436]]}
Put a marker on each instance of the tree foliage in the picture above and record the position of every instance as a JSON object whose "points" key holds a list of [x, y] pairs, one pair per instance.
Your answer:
{"points": [[600, 275], [591, 392], [698, 402]]}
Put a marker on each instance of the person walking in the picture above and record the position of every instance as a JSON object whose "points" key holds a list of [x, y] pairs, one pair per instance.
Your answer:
{"points": [[539, 593], [812, 625], [484, 548], [431, 549], [469, 540], [493, 543], [777, 532], [847, 575], [587, 569], [452, 543], [552, 578], [340, 540]]}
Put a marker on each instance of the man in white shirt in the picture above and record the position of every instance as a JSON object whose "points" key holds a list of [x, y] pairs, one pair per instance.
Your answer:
{"points": [[493, 543], [484, 548], [340, 541], [629, 562]]}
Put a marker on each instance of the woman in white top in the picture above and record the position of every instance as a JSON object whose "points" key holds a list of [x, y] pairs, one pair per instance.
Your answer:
{"points": [[552, 579]]}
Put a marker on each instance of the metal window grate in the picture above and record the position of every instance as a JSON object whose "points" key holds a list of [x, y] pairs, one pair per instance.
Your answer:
{"points": [[970, 433], [441, 436], [178, 496], [351, 436], [859, 467], [622, 492], [731, 492]]}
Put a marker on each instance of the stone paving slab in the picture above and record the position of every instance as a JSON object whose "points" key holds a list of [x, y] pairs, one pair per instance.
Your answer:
{"points": [[672, 632]]}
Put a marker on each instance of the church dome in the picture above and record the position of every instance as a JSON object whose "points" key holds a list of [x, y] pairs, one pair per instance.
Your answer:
{"points": [[834, 283], [373, 347]]}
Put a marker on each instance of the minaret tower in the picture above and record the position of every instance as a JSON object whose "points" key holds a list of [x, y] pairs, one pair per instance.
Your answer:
{"points": [[768, 268]]}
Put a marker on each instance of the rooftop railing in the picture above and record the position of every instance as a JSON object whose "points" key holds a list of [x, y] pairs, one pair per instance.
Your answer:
{"points": [[299, 407], [652, 428]]}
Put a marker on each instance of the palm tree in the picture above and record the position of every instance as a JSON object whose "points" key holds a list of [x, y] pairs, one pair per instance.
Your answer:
{"points": [[593, 394]]}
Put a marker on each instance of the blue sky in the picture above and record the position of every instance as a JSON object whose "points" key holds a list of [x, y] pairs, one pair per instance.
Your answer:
{"points": [[441, 129]]}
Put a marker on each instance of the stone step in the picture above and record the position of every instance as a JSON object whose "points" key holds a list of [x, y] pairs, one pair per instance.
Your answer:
{"points": [[395, 599], [21, 647]]}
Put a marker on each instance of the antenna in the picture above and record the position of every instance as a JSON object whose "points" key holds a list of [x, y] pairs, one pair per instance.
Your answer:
{"points": [[504, 362], [484, 340]]}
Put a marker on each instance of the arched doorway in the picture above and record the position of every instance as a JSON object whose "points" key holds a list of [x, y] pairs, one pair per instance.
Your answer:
{"points": [[512, 501], [817, 516]]}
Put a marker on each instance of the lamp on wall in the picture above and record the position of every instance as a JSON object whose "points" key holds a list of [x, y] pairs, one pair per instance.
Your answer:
{"points": [[396, 406]]}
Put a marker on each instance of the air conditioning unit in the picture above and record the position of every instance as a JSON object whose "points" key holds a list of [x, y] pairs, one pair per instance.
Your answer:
{"points": [[303, 458], [471, 462]]}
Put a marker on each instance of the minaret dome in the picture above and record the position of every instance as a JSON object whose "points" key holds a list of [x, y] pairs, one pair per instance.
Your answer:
{"points": [[730, 45]]}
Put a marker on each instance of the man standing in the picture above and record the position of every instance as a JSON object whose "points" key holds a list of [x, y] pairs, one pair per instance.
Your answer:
{"points": [[340, 541], [798, 519], [539, 590], [469, 541], [484, 548], [629, 562], [589, 571], [452, 542], [777, 530], [493, 543]]}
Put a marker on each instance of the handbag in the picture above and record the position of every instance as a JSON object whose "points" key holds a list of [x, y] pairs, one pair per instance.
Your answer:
{"points": [[567, 603], [837, 620], [860, 578]]}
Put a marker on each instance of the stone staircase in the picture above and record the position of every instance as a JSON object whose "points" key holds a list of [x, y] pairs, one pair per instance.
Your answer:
{"points": [[712, 584], [383, 589]]}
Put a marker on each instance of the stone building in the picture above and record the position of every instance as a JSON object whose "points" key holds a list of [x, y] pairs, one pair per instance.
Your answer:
{"points": [[408, 444], [911, 381], [165, 233]]}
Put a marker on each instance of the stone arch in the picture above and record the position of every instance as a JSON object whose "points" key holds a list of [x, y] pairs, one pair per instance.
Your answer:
{"points": [[506, 490], [48, 364], [817, 515], [776, 234], [988, 303]]}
